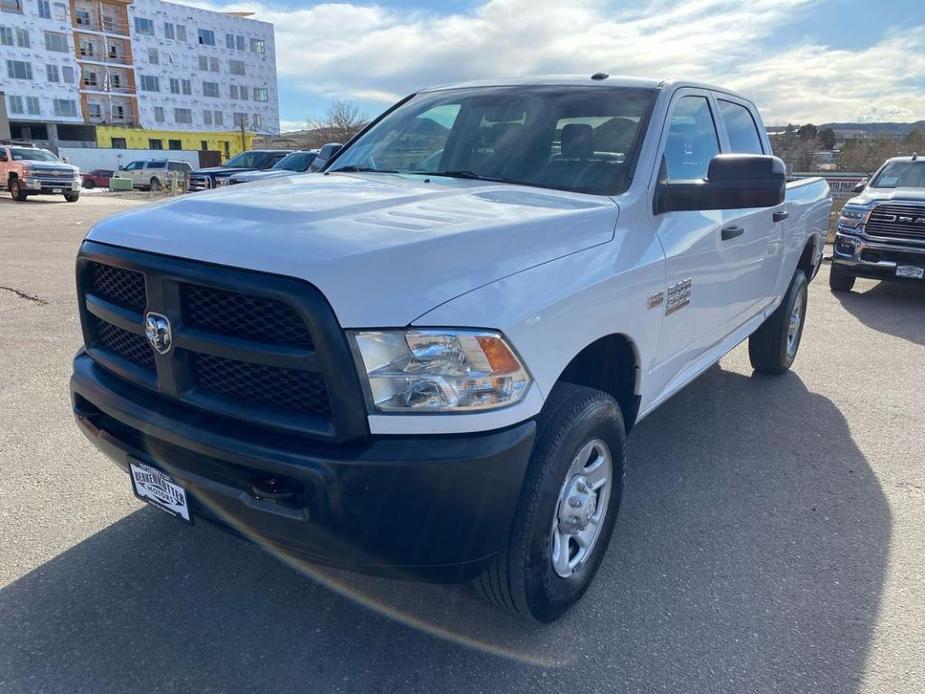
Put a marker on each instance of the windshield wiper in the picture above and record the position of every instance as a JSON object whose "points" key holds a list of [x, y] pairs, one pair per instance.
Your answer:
{"points": [[470, 175], [360, 169]]}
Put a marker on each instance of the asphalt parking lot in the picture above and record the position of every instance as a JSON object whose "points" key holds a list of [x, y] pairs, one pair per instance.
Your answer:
{"points": [[772, 537]]}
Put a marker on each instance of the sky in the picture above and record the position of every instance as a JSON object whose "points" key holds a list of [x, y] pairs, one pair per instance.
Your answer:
{"points": [[800, 60]]}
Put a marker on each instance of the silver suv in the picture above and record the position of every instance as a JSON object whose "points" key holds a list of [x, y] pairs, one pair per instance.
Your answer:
{"points": [[155, 174]]}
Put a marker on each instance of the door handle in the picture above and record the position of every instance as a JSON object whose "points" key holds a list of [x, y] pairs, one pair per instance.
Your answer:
{"points": [[732, 232], [780, 216]]}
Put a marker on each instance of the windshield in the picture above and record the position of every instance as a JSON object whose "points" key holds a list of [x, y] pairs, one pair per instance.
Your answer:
{"points": [[901, 174], [29, 154], [297, 161], [248, 160], [571, 138]]}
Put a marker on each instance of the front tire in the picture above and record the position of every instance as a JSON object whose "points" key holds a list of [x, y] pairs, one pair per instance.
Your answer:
{"points": [[16, 190], [72, 197], [840, 281], [567, 508], [773, 347], [155, 184], [88, 184]]}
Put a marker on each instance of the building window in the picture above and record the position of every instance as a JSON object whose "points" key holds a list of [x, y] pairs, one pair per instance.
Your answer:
{"points": [[181, 32], [32, 106], [86, 47], [95, 110], [11, 5], [18, 70], [90, 79], [115, 81], [243, 93], [210, 89], [229, 41], [22, 38], [60, 11], [207, 117], [219, 118], [187, 87], [206, 37], [233, 91], [236, 67], [257, 120], [108, 23], [226, 148], [114, 52], [15, 104], [174, 144], [56, 42], [183, 115], [144, 26], [6, 36], [67, 74], [213, 65], [168, 31], [258, 46], [82, 17], [174, 85], [153, 57], [239, 119], [150, 83], [158, 114], [261, 94], [44, 9], [155, 144], [203, 145], [66, 107], [117, 142], [239, 42], [204, 63], [51, 73]]}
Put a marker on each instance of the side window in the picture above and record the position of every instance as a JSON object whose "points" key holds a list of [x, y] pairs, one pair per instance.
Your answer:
{"points": [[692, 140], [741, 128]]}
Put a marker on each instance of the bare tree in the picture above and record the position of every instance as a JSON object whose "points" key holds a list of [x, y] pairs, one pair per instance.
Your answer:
{"points": [[342, 120]]}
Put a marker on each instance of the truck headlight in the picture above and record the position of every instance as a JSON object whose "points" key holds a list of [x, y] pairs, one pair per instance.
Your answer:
{"points": [[439, 370], [851, 216]]}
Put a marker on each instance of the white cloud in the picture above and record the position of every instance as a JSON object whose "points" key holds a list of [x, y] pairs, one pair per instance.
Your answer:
{"points": [[379, 54]]}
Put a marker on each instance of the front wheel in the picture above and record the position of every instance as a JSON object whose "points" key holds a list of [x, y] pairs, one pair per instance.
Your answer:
{"points": [[567, 508], [773, 347], [88, 184], [72, 197], [155, 184], [16, 190], [840, 281]]}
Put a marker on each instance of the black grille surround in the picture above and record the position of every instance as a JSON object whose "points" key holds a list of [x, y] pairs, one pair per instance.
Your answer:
{"points": [[247, 346], [897, 221]]}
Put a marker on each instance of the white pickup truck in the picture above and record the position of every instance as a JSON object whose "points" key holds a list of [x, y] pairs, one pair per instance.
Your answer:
{"points": [[27, 170], [425, 361]]}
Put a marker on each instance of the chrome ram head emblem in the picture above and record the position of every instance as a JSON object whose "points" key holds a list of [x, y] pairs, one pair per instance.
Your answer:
{"points": [[157, 330]]}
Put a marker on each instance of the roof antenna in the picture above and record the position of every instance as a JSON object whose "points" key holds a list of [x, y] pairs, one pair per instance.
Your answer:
{"points": [[599, 76]]}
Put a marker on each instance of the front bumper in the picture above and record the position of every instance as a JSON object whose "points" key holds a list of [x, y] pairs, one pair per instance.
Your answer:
{"points": [[422, 507], [856, 255], [46, 186]]}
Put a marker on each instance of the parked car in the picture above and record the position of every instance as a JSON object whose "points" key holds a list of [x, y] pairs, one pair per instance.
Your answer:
{"points": [[293, 163], [26, 170], [252, 160], [431, 373], [325, 154], [98, 178], [881, 232], [155, 174]]}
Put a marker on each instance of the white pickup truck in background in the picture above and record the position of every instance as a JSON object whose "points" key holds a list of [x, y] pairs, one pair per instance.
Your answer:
{"points": [[425, 361], [27, 170]]}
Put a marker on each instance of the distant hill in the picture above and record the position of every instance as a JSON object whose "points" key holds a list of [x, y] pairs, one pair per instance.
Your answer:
{"points": [[874, 129]]}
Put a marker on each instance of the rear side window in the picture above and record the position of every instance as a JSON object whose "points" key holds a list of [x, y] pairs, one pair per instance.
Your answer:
{"points": [[692, 139], [741, 128], [156, 165]]}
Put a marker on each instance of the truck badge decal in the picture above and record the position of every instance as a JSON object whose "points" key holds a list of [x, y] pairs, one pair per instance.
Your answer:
{"points": [[655, 299], [157, 330], [679, 296]]}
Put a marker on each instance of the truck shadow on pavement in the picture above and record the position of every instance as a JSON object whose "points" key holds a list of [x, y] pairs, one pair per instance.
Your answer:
{"points": [[889, 307], [750, 556]]}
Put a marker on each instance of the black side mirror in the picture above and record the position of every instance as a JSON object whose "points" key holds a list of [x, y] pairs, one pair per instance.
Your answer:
{"points": [[325, 154], [734, 181], [861, 185]]}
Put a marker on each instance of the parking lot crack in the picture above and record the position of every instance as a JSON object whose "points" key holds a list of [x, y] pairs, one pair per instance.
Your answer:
{"points": [[23, 295]]}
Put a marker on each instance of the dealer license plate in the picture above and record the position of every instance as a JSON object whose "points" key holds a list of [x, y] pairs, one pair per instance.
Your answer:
{"points": [[57, 190], [159, 489], [912, 271]]}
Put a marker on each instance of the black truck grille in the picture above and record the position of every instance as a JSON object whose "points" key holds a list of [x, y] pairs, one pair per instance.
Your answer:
{"points": [[897, 221], [244, 345]]}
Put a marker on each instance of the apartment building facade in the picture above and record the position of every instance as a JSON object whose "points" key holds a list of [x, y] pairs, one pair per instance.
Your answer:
{"points": [[136, 73]]}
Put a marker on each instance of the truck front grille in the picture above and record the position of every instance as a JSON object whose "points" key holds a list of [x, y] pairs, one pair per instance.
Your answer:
{"points": [[199, 183], [897, 221], [244, 345]]}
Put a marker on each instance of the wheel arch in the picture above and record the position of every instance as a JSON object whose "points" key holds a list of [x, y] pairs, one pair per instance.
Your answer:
{"points": [[807, 261], [610, 364]]}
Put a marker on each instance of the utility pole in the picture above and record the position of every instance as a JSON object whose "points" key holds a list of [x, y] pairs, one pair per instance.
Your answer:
{"points": [[243, 137]]}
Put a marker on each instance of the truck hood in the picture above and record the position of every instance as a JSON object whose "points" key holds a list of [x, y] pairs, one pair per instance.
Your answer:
{"points": [[873, 195], [223, 170], [384, 249], [50, 165], [248, 176]]}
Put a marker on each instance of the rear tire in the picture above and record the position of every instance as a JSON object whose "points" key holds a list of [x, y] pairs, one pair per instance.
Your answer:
{"points": [[16, 190], [72, 197], [532, 576], [840, 281], [773, 347], [88, 184], [155, 184]]}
